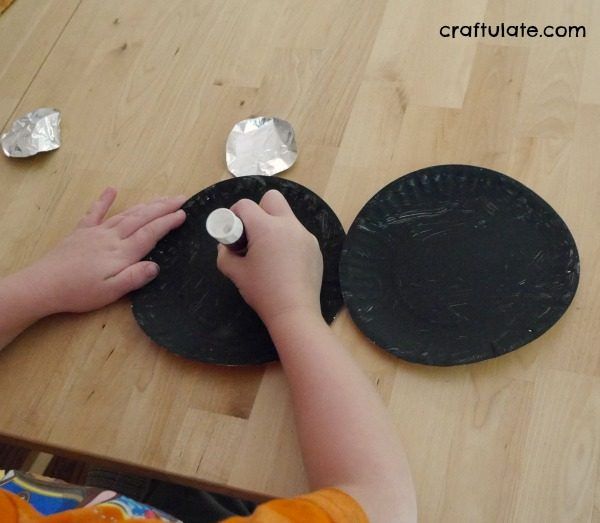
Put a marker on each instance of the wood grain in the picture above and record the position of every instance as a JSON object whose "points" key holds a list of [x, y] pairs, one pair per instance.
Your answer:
{"points": [[149, 90]]}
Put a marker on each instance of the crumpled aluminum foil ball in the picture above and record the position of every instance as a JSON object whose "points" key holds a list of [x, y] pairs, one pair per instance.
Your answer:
{"points": [[262, 145], [36, 132]]}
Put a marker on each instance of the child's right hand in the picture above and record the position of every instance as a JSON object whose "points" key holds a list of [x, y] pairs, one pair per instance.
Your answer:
{"points": [[283, 268]]}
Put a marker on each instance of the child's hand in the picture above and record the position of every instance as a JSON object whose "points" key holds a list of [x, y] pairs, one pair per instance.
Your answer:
{"points": [[98, 262], [283, 269]]}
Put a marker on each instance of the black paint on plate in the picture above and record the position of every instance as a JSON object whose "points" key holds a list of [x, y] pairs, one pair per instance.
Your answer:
{"points": [[454, 264], [193, 310]]}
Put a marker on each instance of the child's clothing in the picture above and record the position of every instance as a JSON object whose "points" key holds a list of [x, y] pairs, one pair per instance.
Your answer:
{"points": [[27, 498]]}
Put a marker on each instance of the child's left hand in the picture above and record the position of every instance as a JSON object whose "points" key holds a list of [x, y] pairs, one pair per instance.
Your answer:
{"points": [[98, 262]]}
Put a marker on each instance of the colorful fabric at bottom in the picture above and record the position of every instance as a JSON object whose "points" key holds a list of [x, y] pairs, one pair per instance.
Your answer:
{"points": [[27, 498], [14, 509], [46, 496]]}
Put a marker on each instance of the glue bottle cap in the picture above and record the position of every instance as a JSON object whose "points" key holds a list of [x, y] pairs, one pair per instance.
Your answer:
{"points": [[224, 226]]}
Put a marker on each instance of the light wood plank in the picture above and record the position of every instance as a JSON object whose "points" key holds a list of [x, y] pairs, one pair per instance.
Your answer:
{"points": [[268, 458], [591, 67], [561, 450], [29, 30], [409, 51]]}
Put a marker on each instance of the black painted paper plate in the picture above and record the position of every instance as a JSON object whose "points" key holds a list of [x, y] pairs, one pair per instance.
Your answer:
{"points": [[193, 310], [454, 264]]}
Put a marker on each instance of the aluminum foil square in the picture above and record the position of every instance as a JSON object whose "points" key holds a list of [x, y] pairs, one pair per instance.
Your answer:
{"points": [[36, 132], [262, 145]]}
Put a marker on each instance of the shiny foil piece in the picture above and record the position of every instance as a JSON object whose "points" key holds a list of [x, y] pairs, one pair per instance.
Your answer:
{"points": [[260, 146], [36, 132]]}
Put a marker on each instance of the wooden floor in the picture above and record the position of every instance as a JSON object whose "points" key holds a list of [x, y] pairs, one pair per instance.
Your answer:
{"points": [[150, 89]]}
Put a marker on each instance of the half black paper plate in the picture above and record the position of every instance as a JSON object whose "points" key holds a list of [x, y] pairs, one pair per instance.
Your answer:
{"points": [[455, 264], [193, 310]]}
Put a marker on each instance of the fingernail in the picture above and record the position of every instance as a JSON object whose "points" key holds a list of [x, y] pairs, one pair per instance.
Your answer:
{"points": [[181, 212], [153, 270]]}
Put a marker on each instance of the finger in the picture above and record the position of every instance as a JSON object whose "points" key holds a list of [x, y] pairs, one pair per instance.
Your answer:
{"points": [[132, 278], [99, 208], [136, 208], [251, 214], [115, 220], [274, 203], [145, 238], [133, 220], [159, 199]]}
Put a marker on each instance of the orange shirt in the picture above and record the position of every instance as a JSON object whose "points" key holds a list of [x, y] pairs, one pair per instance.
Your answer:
{"points": [[323, 506]]}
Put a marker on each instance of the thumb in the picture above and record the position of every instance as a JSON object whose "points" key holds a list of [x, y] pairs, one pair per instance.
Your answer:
{"points": [[228, 262], [133, 277]]}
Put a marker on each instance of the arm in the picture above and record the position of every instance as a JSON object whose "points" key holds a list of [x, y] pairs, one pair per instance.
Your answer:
{"points": [[346, 437], [95, 265], [18, 307]]}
